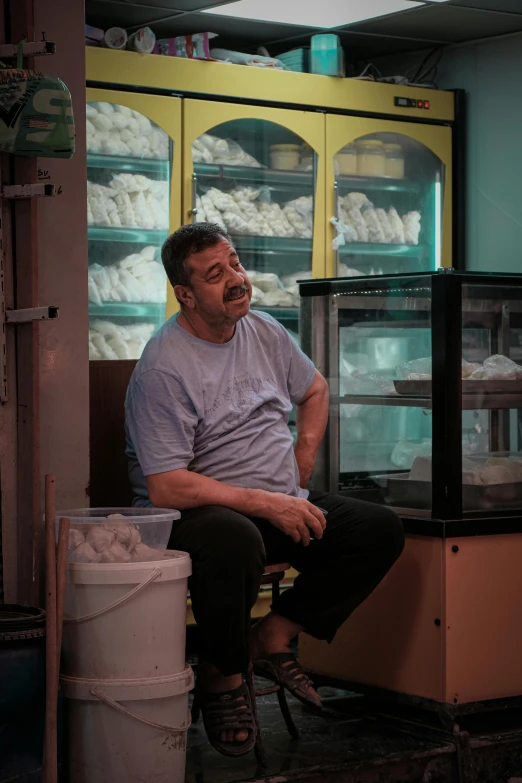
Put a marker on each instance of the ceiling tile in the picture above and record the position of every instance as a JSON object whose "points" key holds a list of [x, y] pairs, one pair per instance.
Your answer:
{"points": [[443, 22], [356, 45], [508, 6], [233, 33], [180, 5], [105, 15]]}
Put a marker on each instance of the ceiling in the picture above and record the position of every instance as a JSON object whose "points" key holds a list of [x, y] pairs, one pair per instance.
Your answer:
{"points": [[432, 25]]}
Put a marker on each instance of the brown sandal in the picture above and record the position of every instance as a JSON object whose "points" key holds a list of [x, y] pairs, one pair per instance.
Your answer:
{"points": [[284, 669], [231, 710]]}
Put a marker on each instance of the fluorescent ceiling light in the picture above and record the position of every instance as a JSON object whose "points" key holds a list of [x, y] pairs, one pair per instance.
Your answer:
{"points": [[321, 13]]}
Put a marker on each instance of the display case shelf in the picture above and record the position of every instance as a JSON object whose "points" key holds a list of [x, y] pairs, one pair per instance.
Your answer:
{"points": [[142, 236], [470, 402], [379, 184], [152, 310], [122, 163], [280, 313], [378, 249], [283, 245], [272, 245], [258, 176], [305, 179]]}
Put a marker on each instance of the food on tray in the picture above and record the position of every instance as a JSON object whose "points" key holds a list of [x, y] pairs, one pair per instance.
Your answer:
{"points": [[136, 278], [112, 542], [211, 149], [487, 472], [495, 368], [359, 221], [108, 340], [118, 130], [245, 211], [130, 201]]}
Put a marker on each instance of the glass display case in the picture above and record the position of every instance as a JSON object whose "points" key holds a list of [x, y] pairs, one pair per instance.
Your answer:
{"points": [[129, 172], [425, 380], [389, 183]]}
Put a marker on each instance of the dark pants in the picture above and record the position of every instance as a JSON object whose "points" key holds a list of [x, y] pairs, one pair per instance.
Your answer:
{"points": [[336, 573]]}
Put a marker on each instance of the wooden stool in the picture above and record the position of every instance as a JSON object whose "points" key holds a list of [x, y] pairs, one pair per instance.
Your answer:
{"points": [[273, 575]]}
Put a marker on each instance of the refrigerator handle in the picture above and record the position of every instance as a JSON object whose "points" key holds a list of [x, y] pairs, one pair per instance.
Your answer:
{"points": [[337, 254], [194, 211]]}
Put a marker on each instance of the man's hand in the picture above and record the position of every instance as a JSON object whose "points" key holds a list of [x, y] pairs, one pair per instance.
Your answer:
{"points": [[184, 489], [295, 517]]}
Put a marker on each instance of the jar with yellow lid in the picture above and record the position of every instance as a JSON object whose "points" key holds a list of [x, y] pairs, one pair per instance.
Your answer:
{"points": [[371, 161], [284, 156], [394, 165], [346, 160]]}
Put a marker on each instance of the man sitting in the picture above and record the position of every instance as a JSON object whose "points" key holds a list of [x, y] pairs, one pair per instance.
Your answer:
{"points": [[207, 413]]}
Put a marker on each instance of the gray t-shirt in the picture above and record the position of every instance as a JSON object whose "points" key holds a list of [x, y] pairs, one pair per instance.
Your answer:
{"points": [[218, 409]]}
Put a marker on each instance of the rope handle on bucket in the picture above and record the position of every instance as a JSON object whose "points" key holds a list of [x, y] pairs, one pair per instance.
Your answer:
{"points": [[153, 574], [124, 711]]}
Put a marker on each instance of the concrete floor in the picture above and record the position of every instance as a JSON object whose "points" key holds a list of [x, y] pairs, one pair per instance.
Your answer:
{"points": [[341, 746]]}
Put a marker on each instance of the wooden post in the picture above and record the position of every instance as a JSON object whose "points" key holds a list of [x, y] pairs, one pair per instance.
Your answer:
{"points": [[61, 575], [51, 658]]}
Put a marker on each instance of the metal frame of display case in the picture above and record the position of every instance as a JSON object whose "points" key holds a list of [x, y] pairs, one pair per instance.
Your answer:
{"points": [[321, 305]]}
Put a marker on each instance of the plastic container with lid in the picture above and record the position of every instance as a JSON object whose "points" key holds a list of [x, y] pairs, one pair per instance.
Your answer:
{"points": [[326, 55], [115, 38], [284, 156], [371, 160], [142, 41], [130, 526], [394, 165], [346, 160]]}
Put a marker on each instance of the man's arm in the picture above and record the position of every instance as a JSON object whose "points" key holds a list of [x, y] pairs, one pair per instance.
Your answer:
{"points": [[183, 489], [312, 416]]}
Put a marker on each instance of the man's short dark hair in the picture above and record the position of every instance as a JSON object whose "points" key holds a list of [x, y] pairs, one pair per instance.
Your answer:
{"points": [[185, 242]]}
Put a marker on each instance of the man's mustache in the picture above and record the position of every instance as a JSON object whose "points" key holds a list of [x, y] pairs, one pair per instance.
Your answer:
{"points": [[233, 291]]}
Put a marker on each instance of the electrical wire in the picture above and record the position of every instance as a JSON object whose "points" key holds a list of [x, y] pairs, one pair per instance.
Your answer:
{"points": [[420, 74], [366, 70]]}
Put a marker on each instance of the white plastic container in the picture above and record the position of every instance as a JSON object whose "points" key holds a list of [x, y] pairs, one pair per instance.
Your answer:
{"points": [[126, 620], [115, 38], [153, 526], [142, 41], [128, 731]]}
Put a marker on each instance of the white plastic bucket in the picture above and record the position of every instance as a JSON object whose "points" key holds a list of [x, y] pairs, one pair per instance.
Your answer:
{"points": [[126, 621], [125, 731]]}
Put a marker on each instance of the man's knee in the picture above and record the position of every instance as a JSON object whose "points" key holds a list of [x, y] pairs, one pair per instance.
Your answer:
{"points": [[230, 537], [368, 530], [378, 533], [387, 531]]}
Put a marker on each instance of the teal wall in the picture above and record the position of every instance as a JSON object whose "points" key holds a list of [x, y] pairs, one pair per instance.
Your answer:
{"points": [[491, 74]]}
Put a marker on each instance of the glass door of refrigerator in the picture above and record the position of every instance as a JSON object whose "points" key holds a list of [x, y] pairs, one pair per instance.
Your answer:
{"points": [[389, 186], [133, 187], [256, 172]]}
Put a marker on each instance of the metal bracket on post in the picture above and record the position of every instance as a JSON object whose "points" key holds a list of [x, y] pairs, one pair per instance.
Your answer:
{"points": [[28, 49], [22, 316], [39, 189], [28, 314]]}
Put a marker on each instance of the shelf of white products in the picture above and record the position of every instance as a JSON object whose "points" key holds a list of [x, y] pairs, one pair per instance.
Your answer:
{"points": [[153, 310], [141, 236], [122, 163]]}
